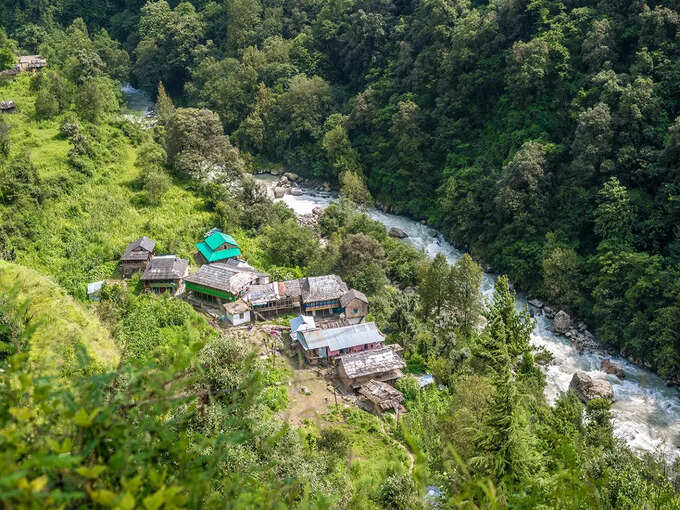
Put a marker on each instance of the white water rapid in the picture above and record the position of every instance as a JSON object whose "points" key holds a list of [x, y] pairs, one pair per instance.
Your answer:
{"points": [[646, 413]]}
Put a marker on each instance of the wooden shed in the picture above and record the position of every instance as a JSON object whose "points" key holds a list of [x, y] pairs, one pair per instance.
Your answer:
{"points": [[355, 305], [356, 369], [381, 396], [8, 106]]}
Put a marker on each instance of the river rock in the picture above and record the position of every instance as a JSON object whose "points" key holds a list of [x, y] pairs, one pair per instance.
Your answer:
{"points": [[612, 368], [562, 322], [283, 181], [317, 211], [549, 312], [398, 233], [536, 303], [279, 192], [296, 192], [586, 388], [291, 176], [275, 171]]}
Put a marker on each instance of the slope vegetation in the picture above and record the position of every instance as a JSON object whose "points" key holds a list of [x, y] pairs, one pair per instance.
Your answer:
{"points": [[64, 337]]}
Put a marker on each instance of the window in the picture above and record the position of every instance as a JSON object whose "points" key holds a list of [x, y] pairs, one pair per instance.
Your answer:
{"points": [[356, 310], [240, 316]]}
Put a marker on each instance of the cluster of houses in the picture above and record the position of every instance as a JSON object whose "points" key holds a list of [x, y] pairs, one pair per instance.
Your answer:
{"points": [[329, 327], [27, 64]]}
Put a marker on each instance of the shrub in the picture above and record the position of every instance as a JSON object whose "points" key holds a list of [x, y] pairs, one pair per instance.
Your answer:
{"points": [[46, 104]]}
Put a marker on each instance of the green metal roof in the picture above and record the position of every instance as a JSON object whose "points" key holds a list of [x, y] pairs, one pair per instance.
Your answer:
{"points": [[214, 256], [217, 239]]}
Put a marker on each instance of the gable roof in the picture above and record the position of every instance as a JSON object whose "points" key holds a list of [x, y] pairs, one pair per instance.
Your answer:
{"points": [[132, 252], [374, 361], [344, 337], [221, 277], [215, 240], [322, 288], [350, 296], [165, 267]]}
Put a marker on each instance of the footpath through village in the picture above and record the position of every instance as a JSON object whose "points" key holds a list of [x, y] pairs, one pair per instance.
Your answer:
{"points": [[335, 354]]}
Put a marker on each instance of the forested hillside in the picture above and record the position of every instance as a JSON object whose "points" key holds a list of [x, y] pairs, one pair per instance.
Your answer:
{"points": [[539, 135]]}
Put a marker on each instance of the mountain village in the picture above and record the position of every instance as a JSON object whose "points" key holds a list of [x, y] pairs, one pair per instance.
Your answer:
{"points": [[327, 327]]}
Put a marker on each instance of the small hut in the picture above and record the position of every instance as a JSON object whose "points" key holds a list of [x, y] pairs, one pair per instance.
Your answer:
{"points": [[237, 313], [8, 106], [32, 63], [381, 396], [355, 305]]}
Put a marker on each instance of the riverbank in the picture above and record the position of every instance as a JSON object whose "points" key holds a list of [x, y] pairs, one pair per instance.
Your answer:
{"points": [[646, 413]]}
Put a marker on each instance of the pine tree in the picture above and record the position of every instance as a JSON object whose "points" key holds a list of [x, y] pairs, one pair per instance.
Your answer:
{"points": [[164, 105], [518, 325], [464, 293], [432, 289]]}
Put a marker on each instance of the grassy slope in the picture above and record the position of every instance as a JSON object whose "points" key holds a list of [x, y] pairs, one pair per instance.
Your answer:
{"points": [[62, 325], [84, 231]]}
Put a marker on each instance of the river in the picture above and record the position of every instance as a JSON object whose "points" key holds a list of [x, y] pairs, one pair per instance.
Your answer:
{"points": [[646, 413]]}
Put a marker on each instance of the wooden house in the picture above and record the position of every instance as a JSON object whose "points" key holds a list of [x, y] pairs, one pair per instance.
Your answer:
{"points": [[8, 106], [213, 285], [165, 274], [31, 63], [381, 397], [319, 343], [273, 299], [217, 247], [137, 256], [321, 295], [356, 369], [354, 305]]}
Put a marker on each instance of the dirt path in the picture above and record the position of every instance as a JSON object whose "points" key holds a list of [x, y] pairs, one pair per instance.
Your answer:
{"points": [[411, 457]]}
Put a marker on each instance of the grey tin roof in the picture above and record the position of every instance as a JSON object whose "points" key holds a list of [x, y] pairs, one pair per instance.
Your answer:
{"points": [[343, 338], [223, 277]]}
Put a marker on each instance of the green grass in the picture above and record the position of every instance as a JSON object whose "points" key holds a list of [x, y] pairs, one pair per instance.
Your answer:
{"points": [[373, 455], [85, 229], [62, 326]]}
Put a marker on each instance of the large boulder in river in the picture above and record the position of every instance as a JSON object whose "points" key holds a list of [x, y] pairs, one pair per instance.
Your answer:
{"points": [[612, 368], [587, 388], [296, 192], [398, 233], [291, 176], [279, 192], [562, 322]]}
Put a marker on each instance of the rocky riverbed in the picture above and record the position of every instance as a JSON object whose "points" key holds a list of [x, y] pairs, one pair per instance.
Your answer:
{"points": [[646, 413]]}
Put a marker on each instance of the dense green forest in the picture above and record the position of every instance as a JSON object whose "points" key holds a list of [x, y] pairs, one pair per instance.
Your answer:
{"points": [[539, 135]]}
